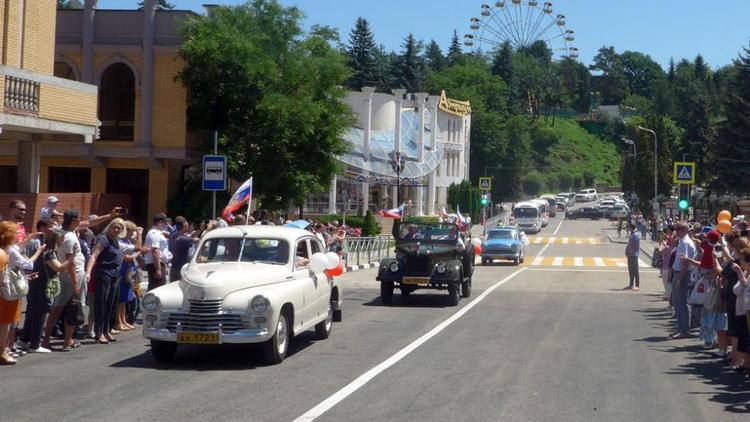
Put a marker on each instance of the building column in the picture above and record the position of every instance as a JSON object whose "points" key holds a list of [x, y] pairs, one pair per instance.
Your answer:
{"points": [[431, 194], [399, 94], [147, 82], [29, 166], [394, 194], [332, 196], [365, 197], [87, 41], [420, 198], [368, 121], [421, 106]]}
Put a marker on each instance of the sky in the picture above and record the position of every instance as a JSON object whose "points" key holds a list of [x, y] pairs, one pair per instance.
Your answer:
{"points": [[663, 29]]}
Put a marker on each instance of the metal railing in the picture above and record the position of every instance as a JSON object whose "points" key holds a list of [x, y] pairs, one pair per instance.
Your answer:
{"points": [[366, 250], [21, 94]]}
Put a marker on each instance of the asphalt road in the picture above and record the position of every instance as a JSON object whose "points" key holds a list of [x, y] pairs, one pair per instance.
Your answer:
{"points": [[553, 340]]}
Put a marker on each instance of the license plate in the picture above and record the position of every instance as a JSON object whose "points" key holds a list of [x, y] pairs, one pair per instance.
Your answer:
{"points": [[416, 280], [198, 338]]}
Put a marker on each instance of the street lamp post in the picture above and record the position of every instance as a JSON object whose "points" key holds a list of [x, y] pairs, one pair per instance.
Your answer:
{"points": [[656, 166], [398, 166], [630, 142]]}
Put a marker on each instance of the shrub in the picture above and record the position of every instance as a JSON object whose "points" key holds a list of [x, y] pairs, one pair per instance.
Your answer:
{"points": [[369, 227]]}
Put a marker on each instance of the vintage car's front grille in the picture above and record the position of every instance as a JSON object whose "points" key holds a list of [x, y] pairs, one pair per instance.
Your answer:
{"points": [[205, 306], [498, 249], [418, 266], [228, 323]]}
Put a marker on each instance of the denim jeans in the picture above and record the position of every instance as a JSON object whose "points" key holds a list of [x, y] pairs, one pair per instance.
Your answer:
{"points": [[680, 292], [635, 279]]}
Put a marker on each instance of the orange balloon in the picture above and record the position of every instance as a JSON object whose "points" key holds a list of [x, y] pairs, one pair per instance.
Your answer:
{"points": [[724, 216], [725, 226], [477, 250], [336, 271], [3, 259]]}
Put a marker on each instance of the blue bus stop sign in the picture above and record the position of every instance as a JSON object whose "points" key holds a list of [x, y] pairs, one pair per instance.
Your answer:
{"points": [[214, 173]]}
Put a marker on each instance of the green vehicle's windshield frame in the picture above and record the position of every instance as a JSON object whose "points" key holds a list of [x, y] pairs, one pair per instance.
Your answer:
{"points": [[427, 233]]}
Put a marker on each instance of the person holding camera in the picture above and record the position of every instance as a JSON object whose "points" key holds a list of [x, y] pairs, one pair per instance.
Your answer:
{"points": [[157, 254]]}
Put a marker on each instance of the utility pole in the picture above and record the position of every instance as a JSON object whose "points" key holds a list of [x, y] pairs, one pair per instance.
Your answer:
{"points": [[213, 194]]}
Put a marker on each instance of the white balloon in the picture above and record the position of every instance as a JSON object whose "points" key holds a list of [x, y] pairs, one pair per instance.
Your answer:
{"points": [[333, 260], [318, 262], [476, 241]]}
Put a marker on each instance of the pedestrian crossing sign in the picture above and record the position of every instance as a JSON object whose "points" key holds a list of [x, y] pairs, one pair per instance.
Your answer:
{"points": [[485, 184], [684, 173]]}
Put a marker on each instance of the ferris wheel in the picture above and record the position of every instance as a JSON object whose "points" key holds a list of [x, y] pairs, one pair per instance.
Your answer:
{"points": [[521, 23]]}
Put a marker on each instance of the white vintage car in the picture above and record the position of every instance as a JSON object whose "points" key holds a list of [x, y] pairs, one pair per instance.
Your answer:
{"points": [[244, 284]]}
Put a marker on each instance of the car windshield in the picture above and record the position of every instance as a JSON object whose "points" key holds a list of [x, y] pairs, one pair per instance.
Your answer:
{"points": [[419, 231], [525, 213], [265, 250], [500, 234], [582, 192]]}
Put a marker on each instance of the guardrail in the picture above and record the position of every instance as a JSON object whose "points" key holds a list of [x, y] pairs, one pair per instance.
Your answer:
{"points": [[366, 250], [21, 94]]}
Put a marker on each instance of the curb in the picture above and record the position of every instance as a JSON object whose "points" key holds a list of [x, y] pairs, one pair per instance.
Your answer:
{"points": [[361, 267]]}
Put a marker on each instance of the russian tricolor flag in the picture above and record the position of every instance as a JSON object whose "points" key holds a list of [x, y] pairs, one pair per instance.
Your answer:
{"points": [[396, 213], [243, 194]]}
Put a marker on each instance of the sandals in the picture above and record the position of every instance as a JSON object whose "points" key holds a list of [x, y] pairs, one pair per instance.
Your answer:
{"points": [[75, 345], [6, 359]]}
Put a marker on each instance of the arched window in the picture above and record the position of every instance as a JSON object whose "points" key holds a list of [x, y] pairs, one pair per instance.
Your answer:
{"points": [[63, 70], [117, 103]]}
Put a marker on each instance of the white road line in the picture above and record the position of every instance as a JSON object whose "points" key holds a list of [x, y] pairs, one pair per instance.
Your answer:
{"points": [[578, 242], [571, 270], [593, 241], [557, 261], [565, 240], [642, 264], [551, 240], [578, 261], [538, 240], [363, 379], [621, 264], [537, 261], [598, 262]]}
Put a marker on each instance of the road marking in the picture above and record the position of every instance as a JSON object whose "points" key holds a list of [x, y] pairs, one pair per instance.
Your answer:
{"points": [[578, 242], [578, 262], [363, 379], [536, 240], [564, 240], [598, 262], [557, 261], [593, 241], [538, 260], [642, 264], [621, 264], [551, 240], [567, 261], [573, 270]]}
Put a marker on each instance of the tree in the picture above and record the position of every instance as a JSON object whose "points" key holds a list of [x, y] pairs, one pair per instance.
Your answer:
{"points": [[502, 62], [362, 59], [434, 57], [642, 73], [384, 73], [589, 179], [160, 5], [732, 151], [369, 227], [410, 67], [565, 181], [272, 94], [611, 81], [455, 55], [533, 184]]}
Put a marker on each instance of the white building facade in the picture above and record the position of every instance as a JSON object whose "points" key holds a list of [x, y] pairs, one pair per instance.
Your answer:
{"points": [[398, 128]]}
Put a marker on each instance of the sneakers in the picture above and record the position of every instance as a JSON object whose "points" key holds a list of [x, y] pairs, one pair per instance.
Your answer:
{"points": [[677, 336], [40, 349], [21, 345], [16, 352]]}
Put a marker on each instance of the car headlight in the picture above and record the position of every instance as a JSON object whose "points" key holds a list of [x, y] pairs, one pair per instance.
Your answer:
{"points": [[259, 304], [151, 303], [441, 268], [393, 267]]}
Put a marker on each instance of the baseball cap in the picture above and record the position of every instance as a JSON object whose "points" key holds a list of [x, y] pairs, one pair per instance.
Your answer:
{"points": [[706, 229], [713, 236], [52, 199]]}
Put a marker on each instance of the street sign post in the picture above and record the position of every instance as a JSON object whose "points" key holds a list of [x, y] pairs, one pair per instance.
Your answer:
{"points": [[485, 184], [684, 173], [214, 173]]}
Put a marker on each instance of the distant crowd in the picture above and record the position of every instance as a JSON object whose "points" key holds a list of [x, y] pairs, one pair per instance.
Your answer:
{"points": [[68, 262]]}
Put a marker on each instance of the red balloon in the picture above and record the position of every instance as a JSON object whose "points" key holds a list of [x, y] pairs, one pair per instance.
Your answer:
{"points": [[336, 271], [477, 250]]}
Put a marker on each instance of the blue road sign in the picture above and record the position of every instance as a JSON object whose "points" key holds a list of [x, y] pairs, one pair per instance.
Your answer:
{"points": [[214, 173], [684, 173]]}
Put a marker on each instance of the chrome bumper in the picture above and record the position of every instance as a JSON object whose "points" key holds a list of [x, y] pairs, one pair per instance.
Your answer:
{"points": [[258, 335], [498, 255]]}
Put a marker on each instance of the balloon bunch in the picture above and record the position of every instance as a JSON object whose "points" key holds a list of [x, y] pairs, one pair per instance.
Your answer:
{"points": [[335, 265], [477, 243], [725, 222]]}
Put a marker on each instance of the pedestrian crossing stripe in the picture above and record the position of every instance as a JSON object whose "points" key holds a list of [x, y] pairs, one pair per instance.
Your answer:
{"points": [[578, 261], [546, 240]]}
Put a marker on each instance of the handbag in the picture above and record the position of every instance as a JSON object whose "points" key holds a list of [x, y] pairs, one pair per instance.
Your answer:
{"points": [[74, 312], [53, 284], [714, 301], [698, 294], [13, 284]]}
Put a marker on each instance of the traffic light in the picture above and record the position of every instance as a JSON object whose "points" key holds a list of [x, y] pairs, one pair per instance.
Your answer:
{"points": [[684, 199], [485, 200]]}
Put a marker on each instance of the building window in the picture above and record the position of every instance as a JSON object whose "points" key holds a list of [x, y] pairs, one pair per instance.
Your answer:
{"points": [[117, 103], [69, 179], [134, 182], [9, 176], [63, 70]]}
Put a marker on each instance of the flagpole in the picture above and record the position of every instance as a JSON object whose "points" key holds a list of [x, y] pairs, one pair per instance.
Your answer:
{"points": [[249, 203]]}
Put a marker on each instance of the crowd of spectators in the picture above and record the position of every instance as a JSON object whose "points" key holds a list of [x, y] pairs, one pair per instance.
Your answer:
{"points": [[704, 274]]}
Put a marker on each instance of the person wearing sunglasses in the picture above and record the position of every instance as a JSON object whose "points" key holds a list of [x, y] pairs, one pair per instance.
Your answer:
{"points": [[104, 267]]}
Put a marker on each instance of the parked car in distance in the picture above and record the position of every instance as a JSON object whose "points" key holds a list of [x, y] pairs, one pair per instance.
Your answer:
{"points": [[551, 204], [584, 212], [571, 197], [605, 207], [561, 203], [586, 195], [503, 243], [619, 211], [244, 284]]}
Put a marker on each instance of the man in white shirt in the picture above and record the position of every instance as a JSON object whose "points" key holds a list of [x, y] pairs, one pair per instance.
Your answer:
{"points": [[681, 279], [157, 254]]}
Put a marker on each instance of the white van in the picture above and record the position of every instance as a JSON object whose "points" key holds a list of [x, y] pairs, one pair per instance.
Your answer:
{"points": [[528, 216], [544, 207]]}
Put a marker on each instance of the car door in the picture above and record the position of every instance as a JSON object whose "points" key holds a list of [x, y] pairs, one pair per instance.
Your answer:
{"points": [[304, 282], [320, 283]]}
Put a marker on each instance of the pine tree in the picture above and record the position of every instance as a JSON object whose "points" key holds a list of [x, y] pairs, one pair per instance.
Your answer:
{"points": [[384, 64], [409, 72], [455, 55], [434, 57], [502, 63], [734, 136], [699, 133], [362, 58]]}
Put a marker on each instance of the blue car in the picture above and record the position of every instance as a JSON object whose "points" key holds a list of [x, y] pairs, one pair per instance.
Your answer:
{"points": [[503, 243]]}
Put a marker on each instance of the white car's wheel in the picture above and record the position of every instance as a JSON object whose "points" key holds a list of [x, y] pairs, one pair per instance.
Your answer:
{"points": [[276, 348]]}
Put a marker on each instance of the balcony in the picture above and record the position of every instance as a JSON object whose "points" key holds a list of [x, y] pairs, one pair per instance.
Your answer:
{"points": [[37, 103]]}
